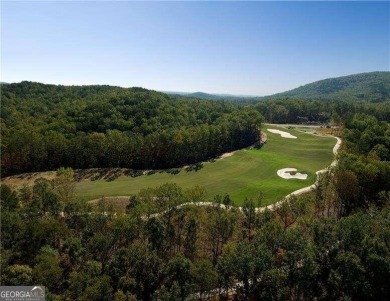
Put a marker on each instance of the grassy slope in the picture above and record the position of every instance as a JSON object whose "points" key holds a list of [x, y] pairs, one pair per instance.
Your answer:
{"points": [[246, 173]]}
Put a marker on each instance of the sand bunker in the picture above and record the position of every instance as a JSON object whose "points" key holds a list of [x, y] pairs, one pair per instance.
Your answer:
{"points": [[282, 133], [285, 174]]}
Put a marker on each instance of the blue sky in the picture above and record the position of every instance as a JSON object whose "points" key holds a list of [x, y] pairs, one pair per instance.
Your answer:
{"points": [[254, 48]]}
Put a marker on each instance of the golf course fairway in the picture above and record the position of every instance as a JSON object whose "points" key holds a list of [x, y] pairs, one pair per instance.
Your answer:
{"points": [[246, 173]]}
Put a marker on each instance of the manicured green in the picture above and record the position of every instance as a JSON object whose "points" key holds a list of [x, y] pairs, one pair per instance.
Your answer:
{"points": [[244, 174]]}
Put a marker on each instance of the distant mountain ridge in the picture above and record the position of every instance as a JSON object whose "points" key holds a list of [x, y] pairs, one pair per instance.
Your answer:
{"points": [[198, 95], [370, 86], [209, 96]]}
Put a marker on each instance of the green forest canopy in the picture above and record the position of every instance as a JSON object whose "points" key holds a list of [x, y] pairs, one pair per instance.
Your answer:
{"points": [[370, 87], [45, 127]]}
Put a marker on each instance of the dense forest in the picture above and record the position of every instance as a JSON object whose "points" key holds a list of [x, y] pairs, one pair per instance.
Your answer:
{"points": [[44, 127], [330, 101], [321, 102], [369, 87], [294, 110], [332, 244], [372, 87], [226, 97]]}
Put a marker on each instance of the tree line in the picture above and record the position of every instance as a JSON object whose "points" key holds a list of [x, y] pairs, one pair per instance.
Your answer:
{"points": [[362, 177], [293, 110]]}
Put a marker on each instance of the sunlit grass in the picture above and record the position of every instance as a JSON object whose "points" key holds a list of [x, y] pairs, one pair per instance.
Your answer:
{"points": [[245, 174]]}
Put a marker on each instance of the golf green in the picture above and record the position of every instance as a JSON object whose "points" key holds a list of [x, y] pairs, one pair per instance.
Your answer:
{"points": [[246, 173]]}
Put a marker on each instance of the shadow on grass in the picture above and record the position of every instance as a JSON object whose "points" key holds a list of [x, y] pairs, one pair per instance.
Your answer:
{"points": [[172, 171], [194, 167], [108, 174]]}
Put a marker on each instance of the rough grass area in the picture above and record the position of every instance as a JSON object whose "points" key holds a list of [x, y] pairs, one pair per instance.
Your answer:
{"points": [[117, 203], [244, 174]]}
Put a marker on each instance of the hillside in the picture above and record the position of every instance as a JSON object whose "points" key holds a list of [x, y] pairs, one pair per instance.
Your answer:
{"points": [[241, 99], [371, 86], [44, 127], [202, 95], [197, 95]]}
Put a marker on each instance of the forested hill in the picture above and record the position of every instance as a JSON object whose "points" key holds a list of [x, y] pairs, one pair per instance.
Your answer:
{"points": [[198, 95], [44, 127], [371, 86], [241, 99], [364, 87]]}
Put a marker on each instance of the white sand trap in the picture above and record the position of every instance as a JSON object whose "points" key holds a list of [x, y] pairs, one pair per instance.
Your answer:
{"points": [[285, 174], [282, 133]]}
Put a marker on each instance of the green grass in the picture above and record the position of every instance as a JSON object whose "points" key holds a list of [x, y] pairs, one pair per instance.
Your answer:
{"points": [[244, 174]]}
